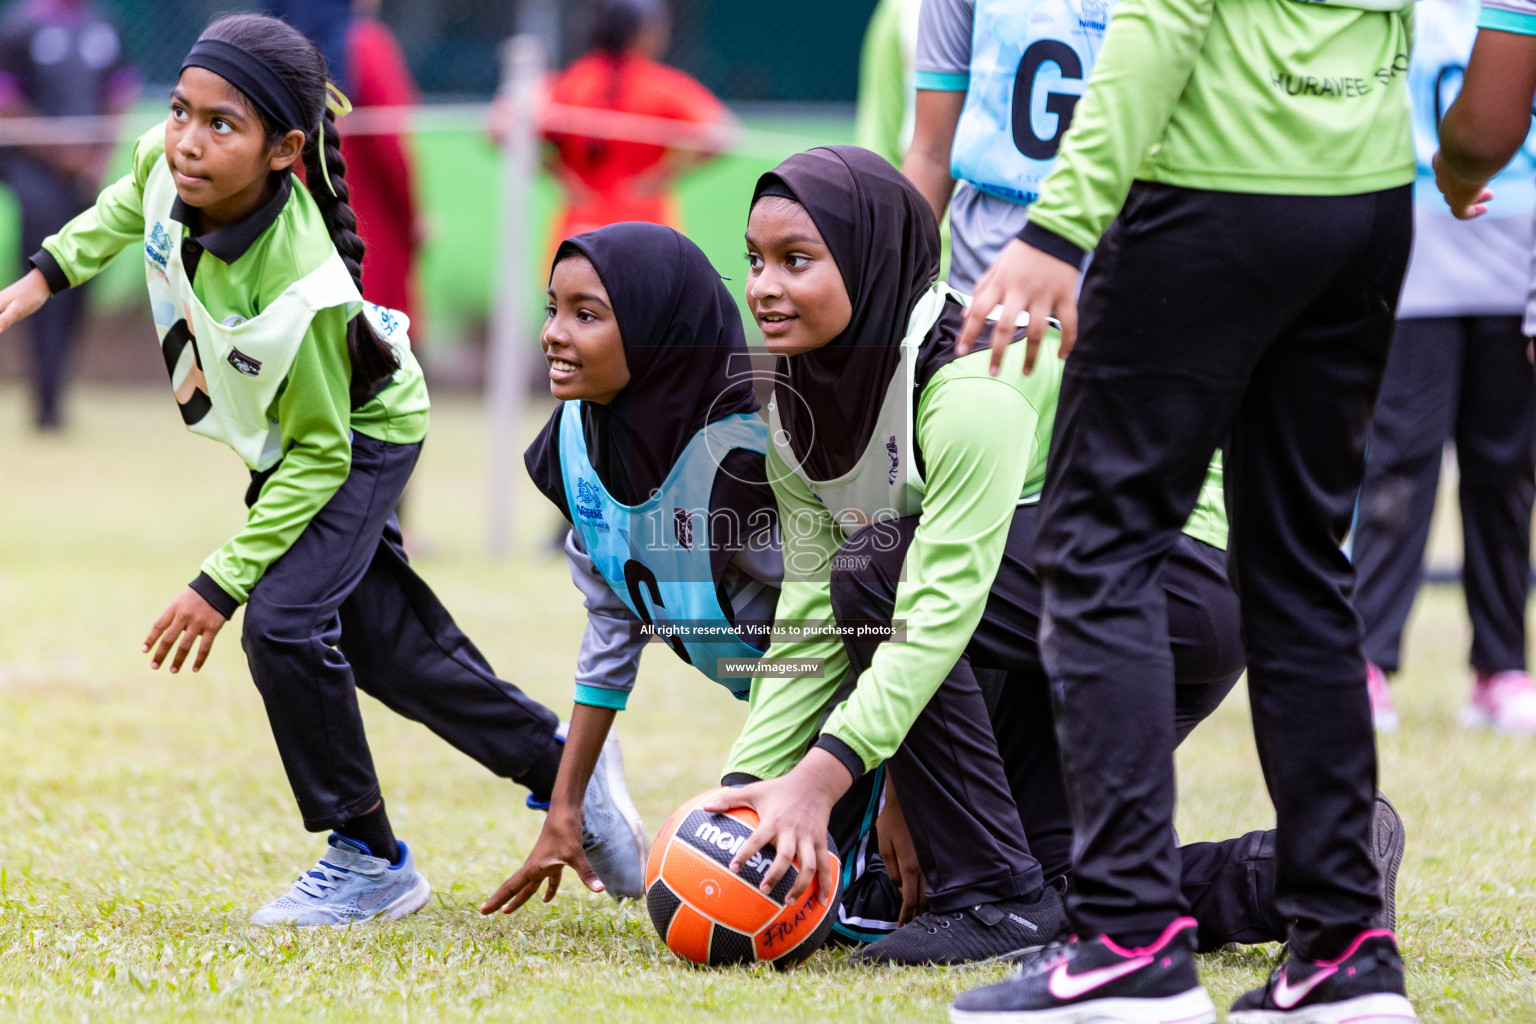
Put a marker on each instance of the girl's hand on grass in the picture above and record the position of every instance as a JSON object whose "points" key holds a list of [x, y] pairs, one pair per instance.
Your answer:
{"points": [[23, 298], [190, 618], [899, 854], [792, 814], [558, 847]]}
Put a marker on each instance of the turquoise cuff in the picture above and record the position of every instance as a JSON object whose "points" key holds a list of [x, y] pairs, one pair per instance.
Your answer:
{"points": [[597, 697], [942, 81], [1507, 21]]}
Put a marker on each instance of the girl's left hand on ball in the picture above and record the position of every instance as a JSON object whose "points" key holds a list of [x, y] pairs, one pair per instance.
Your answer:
{"points": [[792, 814], [190, 618]]}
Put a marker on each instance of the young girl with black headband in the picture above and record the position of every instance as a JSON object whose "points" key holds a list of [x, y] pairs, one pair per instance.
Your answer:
{"points": [[255, 287], [655, 458], [905, 501]]}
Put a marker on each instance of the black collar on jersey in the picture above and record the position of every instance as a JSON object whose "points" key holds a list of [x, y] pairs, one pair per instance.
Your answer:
{"points": [[232, 241], [686, 353], [261, 85], [883, 236]]}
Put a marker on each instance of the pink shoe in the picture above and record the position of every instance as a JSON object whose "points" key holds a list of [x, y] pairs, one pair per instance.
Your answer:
{"points": [[1383, 711], [1502, 701]]}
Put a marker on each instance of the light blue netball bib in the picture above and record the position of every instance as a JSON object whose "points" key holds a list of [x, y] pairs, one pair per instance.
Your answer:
{"points": [[656, 555], [1030, 61]]}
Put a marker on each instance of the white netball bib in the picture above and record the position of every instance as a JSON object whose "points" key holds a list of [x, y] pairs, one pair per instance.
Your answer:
{"points": [[885, 482], [226, 375]]}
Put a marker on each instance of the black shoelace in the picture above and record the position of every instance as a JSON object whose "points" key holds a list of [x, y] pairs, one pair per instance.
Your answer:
{"points": [[933, 922]]}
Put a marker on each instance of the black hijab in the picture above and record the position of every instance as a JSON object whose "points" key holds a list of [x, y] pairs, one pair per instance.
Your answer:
{"points": [[687, 361], [885, 241]]}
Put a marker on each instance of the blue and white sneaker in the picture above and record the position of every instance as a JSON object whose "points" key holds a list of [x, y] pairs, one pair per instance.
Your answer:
{"points": [[612, 834], [348, 885]]}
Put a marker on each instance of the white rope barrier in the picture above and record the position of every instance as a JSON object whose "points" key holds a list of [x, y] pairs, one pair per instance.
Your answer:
{"points": [[437, 118]]}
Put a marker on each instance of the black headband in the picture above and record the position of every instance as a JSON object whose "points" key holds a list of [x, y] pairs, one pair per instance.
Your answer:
{"points": [[771, 184], [258, 82]]}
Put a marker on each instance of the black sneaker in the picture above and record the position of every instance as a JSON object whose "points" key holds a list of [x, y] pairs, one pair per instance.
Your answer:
{"points": [[1005, 930], [1387, 840], [1098, 980], [1364, 986]]}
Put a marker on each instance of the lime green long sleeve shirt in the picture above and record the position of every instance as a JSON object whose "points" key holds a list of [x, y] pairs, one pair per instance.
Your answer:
{"points": [[968, 426], [313, 409], [1266, 96]]}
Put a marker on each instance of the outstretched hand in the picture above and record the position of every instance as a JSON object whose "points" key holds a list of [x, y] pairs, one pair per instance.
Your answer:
{"points": [[190, 618], [1023, 280], [22, 299], [558, 847], [792, 815]]}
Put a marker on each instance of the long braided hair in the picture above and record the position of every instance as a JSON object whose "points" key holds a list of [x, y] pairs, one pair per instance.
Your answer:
{"points": [[293, 58]]}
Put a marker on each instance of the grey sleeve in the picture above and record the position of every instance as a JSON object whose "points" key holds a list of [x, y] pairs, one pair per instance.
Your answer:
{"points": [[761, 558], [754, 576], [944, 41], [610, 649]]}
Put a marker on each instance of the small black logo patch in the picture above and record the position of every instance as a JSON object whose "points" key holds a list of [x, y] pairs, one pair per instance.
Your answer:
{"points": [[244, 363], [682, 524]]}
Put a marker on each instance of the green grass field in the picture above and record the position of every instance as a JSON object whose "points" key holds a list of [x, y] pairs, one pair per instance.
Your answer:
{"points": [[143, 816]]}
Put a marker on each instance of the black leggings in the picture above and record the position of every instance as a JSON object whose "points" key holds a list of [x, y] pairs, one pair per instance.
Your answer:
{"points": [[1463, 379], [980, 773], [341, 611], [1258, 324]]}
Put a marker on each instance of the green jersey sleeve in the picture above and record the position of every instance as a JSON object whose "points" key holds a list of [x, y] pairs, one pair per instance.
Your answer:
{"points": [[969, 429], [1149, 52], [1275, 97], [784, 714], [313, 413], [85, 245]]}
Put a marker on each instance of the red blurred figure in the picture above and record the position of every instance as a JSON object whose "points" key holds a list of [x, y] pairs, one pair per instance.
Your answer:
{"points": [[612, 180], [379, 166]]}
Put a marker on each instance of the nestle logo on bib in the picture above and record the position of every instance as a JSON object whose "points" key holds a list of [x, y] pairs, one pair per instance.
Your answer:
{"points": [[244, 363], [158, 249], [588, 501]]}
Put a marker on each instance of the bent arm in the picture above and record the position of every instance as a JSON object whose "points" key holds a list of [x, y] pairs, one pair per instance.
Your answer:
{"points": [[1491, 117]]}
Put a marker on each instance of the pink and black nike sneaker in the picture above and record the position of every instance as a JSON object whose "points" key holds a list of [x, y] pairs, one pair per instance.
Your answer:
{"points": [[1099, 980], [1364, 986]]}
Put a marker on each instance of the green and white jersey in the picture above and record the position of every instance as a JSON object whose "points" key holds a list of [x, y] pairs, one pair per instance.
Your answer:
{"points": [[256, 347]]}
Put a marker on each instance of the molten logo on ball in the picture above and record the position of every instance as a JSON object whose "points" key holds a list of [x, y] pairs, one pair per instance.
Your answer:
{"points": [[709, 916]]}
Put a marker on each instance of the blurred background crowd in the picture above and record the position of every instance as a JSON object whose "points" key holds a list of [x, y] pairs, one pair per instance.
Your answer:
{"points": [[428, 190]]}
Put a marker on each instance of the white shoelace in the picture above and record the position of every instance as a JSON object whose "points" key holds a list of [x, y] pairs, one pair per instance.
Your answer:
{"points": [[322, 877]]}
